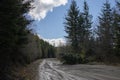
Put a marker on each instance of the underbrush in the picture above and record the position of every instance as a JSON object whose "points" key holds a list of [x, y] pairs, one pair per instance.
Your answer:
{"points": [[70, 58]]}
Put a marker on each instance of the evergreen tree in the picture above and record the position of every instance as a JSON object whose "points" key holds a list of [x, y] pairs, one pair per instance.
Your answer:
{"points": [[87, 20], [77, 26], [13, 25], [86, 26], [116, 24], [80, 31], [13, 33], [71, 25], [105, 32]]}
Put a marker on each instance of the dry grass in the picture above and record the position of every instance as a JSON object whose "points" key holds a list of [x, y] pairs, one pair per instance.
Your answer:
{"points": [[30, 72]]}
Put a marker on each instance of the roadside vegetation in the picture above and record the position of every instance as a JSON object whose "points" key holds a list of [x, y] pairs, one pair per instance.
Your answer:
{"points": [[18, 45], [91, 43]]}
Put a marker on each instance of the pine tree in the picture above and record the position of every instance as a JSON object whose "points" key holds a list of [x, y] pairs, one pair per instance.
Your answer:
{"points": [[71, 24], [80, 31], [87, 26], [105, 32], [87, 19], [116, 24], [13, 25], [13, 33]]}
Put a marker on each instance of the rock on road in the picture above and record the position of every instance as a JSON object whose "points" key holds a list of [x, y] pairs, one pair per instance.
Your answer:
{"points": [[51, 69]]}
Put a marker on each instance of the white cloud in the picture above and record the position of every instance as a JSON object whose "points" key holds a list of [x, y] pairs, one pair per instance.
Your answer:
{"points": [[55, 42], [42, 7]]}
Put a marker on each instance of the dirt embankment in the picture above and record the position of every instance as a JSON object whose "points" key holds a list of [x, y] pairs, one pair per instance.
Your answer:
{"points": [[29, 72]]}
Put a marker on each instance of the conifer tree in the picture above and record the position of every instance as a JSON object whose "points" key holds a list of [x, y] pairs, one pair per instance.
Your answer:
{"points": [[116, 24], [105, 32], [13, 25], [86, 26], [71, 24], [13, 33]]}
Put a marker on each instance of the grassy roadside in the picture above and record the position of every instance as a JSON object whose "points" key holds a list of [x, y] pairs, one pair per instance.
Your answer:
{"points": [[29, 72]]}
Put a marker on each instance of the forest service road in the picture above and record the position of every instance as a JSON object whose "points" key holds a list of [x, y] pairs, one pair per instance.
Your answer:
{"points": [[51, 69]]}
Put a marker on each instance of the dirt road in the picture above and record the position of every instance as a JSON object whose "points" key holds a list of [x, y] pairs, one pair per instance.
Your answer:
{"points": [[51, 69]]}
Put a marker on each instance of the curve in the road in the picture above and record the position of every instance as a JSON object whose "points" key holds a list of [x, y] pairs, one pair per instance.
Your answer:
{"points": [[48, 71]]}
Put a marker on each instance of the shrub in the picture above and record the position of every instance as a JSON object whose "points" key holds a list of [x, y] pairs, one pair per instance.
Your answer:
{"points": [[71, 58]]}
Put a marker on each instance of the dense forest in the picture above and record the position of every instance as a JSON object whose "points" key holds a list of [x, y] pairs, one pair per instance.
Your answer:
{"points": [[88, 43], [85, 43], [18, 45]]}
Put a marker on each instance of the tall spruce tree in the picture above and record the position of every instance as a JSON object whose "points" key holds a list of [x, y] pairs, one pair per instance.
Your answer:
{"points": [[87, 20], [80, 31], [71, 25], [105, 32], [13, 33], [87, 26], [116, 24], [13, 25]]}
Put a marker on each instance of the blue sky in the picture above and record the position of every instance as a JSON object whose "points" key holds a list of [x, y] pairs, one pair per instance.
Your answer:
{"points": [[52, 25]]}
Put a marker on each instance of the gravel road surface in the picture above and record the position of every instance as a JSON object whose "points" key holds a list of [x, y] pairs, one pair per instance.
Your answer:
{"points": [[51, 69]]}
